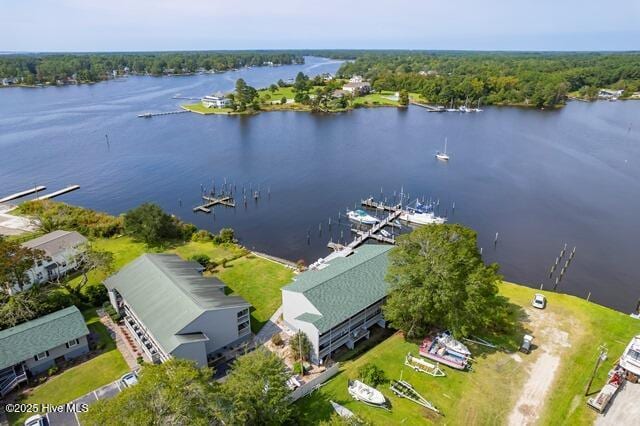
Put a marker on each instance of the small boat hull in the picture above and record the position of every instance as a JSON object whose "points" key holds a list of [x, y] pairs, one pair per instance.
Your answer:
{"points": [[365, 393], [435, 351]]}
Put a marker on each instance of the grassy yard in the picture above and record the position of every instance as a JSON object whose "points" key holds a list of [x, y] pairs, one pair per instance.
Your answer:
{"points": [[82, 379], [282, 92], [258, 281], [488, 394], [217, 252], [375, 99], [200, 109]]}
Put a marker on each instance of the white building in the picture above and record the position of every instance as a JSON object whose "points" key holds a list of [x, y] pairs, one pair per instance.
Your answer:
{"points": [[217, 100], [62, 253], [337, 303], [356, 89], [172, 310], [356, 79]]}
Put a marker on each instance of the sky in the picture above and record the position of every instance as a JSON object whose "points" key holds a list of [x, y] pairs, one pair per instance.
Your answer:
{"points": [[151, 25]]}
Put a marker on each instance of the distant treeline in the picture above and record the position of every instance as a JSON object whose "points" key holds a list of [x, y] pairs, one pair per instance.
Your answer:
{"points": [[539, 79], [91, 67]]}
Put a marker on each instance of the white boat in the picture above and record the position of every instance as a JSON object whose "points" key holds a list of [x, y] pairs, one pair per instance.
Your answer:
{"points": [[630, 359], [443, 155], [365, 393], [453, 344], [421, 218], [385, 233], [362, 217], [342, 411]]}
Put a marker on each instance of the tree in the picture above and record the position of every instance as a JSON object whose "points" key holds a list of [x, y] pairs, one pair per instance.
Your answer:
{"points": [[15, 261], [202, 259], [90, 259], [255, 392], [301, 83], [371, 374], [245, 95], [273, 88], [173, 393], [437, 278], [403, 98], [300, 346], [150, 224]]}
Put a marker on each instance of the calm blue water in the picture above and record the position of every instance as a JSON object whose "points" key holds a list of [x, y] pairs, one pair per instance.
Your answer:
{"points": [[539, 178]]}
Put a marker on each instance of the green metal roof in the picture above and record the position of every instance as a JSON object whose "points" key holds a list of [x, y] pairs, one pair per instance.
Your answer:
{"points": [[167, 293], [344, 287], [26, 340]]}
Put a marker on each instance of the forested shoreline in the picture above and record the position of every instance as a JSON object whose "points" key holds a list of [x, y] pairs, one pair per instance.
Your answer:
{"points": [[494, 78], [31, 69]]}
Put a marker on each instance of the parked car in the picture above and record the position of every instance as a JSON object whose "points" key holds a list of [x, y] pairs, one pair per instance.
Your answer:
{"points": [[36, 420], [525, 347], [129, 379], [539, 301]]}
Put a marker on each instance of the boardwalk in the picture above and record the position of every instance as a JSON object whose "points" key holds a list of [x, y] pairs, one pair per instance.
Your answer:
{"points": [[226, 201], [373, 232], [429, 108], [35, 190], [156, 114]]}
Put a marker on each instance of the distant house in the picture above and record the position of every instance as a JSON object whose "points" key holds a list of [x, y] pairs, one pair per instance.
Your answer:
{"points": [[6, 81], [33, 347], [609, 94], [357, 88], [172, 310], [356, 79], [62, 253], [217, 100], [338, 302]]}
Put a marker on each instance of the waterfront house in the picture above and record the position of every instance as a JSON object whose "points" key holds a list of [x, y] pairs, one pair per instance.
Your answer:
{"points": [[356, 79], [609, 93], [357, 88], [217, 100], [62, 253], [35, 346], [172, 310], [336, 303]]}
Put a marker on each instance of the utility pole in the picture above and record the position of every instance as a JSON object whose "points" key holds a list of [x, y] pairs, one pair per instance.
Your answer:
{"points": [[602, 356]]}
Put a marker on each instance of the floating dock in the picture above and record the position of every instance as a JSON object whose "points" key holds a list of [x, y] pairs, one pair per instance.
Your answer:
{"points": [[212, 201], [35, 189], [60, 192], [363, 236], [156, 114]]}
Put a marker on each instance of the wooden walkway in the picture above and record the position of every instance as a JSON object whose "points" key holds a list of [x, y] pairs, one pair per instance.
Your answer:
{"points": [[373, 232], [226, 201], [156, 114], [35, 189], [429, 108], [60, 192]]}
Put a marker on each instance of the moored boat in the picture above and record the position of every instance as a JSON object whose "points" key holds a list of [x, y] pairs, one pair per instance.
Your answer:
{"points": [[365, 393], [453, 345], [362, 217], [412, 216], [630, 359]]}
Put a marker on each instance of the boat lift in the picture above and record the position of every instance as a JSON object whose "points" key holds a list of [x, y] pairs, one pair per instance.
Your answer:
{"points": [[423, 366], [404, 389]]}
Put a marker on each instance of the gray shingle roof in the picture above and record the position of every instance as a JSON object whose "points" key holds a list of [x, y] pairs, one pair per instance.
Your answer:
{"points": [[26, 340], [56, 242], [167, 293], [345, 287]]}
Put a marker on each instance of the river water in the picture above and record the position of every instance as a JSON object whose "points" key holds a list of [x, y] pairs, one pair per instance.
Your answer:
{"points": [[538, 178]]}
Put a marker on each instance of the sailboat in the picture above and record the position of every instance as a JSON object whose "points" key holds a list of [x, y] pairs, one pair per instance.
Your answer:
{"points": [[362, 217], [342, 411], [443, 155]]}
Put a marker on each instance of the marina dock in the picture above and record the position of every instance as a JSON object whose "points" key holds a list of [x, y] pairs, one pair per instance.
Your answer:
{"points": [[29, 191], [156, 114], [428, 107], [373, 232], [226, 201], [60, 192]]}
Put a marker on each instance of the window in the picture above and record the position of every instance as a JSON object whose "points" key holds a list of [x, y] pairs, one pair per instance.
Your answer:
{"points": [[243, 313], [73, 343], [41, 355]]}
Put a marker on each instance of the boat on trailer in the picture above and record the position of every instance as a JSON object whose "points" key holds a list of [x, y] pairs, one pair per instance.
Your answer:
{"points": [[603, 398], [453, 345], [435, 350], [365, 393], [418, 364]]}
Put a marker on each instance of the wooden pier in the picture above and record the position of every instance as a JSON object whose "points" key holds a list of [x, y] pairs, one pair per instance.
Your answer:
{"points": [[156, 114], [226, 201], [372, 204], [29, 191], [60, 192], [373, 232], [429, 108]]}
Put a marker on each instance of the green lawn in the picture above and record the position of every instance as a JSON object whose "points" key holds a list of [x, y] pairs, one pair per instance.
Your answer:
{"points": [[82, 379], [282, 92], [258, 281], [216, 252], [200, 109], [375, 99], [487, 394]]}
